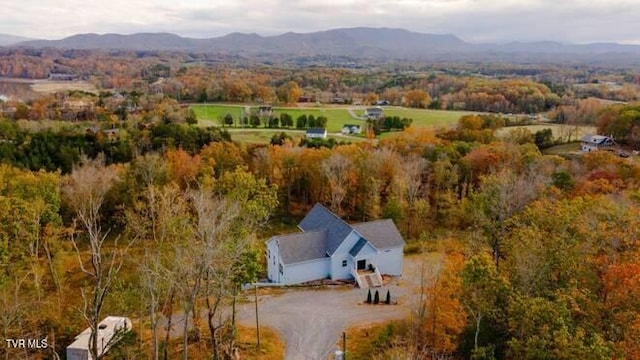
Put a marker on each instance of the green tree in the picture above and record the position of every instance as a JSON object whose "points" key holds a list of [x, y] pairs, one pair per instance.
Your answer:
{"points": [[484, 292], [228, 119]]}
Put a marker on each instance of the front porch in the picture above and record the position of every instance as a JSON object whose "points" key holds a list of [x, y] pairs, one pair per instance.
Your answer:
{"points": [[366, 274]]}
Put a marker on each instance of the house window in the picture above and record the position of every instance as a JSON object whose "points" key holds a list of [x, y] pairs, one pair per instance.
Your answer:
{"points": [[344, 263], [280, 268]]}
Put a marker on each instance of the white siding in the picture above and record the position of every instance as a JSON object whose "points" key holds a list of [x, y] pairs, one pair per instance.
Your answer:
{"points": [[389, 261], [339, 272], [306, 271], [368, 253], [273, 260]]}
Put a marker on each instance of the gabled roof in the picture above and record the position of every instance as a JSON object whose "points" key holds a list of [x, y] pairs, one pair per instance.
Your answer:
{"points": [[295, 248], [316, 131], [323, 232], [321, 218], [596, 139], [382, 234]]}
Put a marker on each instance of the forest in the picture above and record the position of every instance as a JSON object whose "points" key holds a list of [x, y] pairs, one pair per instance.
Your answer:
{"points": [[119, 203], [539, 261]]}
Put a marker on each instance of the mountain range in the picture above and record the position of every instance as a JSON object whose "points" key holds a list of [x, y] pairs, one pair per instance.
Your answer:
{"points": [[7, 40], [361, 42]]}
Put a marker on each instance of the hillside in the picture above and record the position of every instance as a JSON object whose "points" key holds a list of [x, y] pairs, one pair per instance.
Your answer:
{"points": [[361, 42], [8, 40]]}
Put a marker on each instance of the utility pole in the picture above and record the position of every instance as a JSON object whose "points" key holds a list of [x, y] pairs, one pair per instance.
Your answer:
{"points": [[344, 345], [257, 322]]}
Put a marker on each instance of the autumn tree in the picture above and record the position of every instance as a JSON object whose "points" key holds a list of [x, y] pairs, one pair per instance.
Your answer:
{"points": [[85, 190], [416, 99], [337, 169], [499, 198], [444, 313], [289, 93], [484, 294]]}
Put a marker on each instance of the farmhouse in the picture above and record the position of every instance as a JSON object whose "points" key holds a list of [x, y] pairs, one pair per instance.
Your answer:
{"points": [[316, 133], [596, 142], [373, 113], [110, 330], [329, 248], [351, 129], [265, 111]]}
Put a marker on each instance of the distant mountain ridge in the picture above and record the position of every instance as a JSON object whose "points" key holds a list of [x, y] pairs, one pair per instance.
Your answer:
{"points": [[359, 42], [7, 39]]}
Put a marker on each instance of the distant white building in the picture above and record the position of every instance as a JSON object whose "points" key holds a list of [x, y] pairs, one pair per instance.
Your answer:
{"points": [[596, 142], [373, 113], [110, 330], [351, 129], [316, 133]]}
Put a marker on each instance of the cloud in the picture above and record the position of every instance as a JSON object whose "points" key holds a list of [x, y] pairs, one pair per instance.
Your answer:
{"points": [[472, 20]]}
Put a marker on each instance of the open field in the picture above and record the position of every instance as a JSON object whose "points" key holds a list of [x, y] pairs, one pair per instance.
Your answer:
{"points": [[563, 149], [559, 131], [263, 136], [48, 86], [336, 116]]}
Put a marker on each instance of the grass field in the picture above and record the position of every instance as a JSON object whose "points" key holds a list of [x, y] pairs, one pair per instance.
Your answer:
{"points": [[263, 136], [49, 86], [336, 116], [559, 131]]}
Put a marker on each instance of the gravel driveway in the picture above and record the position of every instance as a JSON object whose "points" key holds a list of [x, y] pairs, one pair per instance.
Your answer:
{"points": [[310, 321]]}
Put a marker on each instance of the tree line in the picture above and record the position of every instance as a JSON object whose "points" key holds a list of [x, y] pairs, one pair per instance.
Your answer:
{"points": [[539, 261]]}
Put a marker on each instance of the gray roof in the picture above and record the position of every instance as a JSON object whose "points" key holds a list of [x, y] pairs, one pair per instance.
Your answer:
{"points": [[596, 139], [382, 234], [295, 248], [323, 232], [321, 218], [316, 130], [358, 246]]}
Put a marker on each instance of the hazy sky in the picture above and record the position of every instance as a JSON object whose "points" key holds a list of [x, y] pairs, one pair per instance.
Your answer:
{"points": [[472, 20]]}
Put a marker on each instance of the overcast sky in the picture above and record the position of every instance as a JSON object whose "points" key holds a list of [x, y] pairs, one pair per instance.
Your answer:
{"points": [[579, 21]]}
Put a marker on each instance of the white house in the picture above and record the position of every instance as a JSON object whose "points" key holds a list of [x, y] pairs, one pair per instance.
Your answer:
{"points": [[316, 133], [351, 129], [373, 113], [329, 248], [596, 142], [109, 331]]}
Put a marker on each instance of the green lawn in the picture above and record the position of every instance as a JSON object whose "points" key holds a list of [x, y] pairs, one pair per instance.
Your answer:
{"points": [[212, 114], [336, 117]]}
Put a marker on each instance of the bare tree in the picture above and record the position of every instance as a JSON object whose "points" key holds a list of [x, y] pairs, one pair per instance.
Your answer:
{"points": [[85, 190], [336, 170], [503, 195], [411, 181], [213, 228]]}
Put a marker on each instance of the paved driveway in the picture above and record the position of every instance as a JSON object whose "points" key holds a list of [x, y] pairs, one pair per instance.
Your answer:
{"points": [[310, 321]]}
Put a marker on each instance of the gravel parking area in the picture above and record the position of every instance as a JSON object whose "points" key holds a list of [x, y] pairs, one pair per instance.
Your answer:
{"points": [[310, 321]]}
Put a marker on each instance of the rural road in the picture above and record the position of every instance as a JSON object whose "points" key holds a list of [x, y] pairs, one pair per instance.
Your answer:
{"points": [[353, 114], [310, 321]]}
